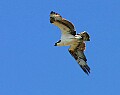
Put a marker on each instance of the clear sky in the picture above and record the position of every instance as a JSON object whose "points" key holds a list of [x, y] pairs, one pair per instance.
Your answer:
{"points": [[30, 64]]}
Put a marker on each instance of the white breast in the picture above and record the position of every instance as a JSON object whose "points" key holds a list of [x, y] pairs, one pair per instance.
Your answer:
{"points": [[67, 39]]}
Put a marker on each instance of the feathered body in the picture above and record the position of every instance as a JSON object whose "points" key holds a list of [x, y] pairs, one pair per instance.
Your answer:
{"points": [[70, 38]]}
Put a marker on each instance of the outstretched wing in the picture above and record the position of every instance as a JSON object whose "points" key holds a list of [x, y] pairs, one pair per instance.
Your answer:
{"points": [[64, 25], [77, 51]]}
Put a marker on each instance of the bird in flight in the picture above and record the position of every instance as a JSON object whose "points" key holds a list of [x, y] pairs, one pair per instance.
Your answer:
{"points": [[70, 38]]}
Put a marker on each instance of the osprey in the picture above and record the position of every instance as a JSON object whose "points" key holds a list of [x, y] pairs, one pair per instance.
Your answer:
{"points": [[70, 38]]}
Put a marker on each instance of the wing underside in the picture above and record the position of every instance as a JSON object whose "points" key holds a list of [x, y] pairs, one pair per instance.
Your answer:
{"points": [[78, 54], [64, 25]]}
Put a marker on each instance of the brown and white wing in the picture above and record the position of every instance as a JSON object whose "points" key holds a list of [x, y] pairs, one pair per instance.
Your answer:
{"points": [[64, 25], [77, 51]]}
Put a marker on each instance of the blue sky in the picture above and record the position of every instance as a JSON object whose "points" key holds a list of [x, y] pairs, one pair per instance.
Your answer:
{"points": [[30, 64]]}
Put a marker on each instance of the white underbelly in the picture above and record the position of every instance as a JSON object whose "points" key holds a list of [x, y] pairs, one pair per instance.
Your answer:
{"points": [[67, 41]]}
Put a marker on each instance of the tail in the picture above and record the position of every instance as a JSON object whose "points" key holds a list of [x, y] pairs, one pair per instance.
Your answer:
{"points": [[85, 36]]}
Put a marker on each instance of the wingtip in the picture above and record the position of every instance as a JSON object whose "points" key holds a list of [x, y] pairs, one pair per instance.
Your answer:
{"points": [[52, 12], [86, 69]]}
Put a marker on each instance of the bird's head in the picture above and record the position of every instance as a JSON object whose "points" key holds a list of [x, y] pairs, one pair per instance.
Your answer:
{"points": [[54, 17]]}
